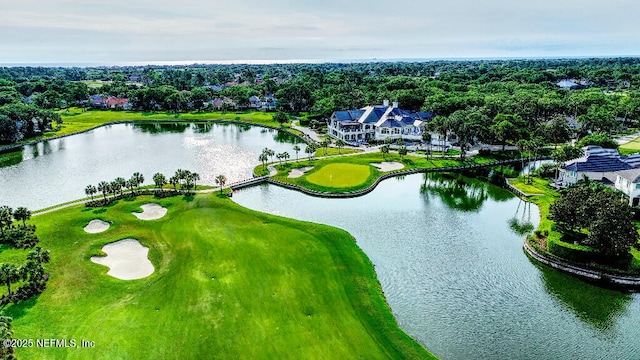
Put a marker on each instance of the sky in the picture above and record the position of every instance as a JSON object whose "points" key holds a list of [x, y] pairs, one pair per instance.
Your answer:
{"points": [[186, 31]]}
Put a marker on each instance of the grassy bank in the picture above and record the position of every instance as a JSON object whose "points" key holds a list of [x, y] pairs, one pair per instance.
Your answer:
{"points": [[228, 283], [75, 120], [546, 239], [631, 147]]}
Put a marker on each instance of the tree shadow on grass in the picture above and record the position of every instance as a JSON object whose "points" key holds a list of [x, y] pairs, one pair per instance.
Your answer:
{"points": [[20, 309], [188, 198]]}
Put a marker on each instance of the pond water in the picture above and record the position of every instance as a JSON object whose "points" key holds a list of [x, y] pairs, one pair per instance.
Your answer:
{"points": [[448, 253], [57, 171], [447, 250]]}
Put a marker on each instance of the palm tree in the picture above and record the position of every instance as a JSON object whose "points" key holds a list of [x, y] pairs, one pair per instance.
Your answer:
{"points": [[103, 187], [384, 149], [279, 157], [8, 274], [122, 183], [426, 137], [174, 181], [114, 186], [325, 144], [130, 184], [263, 158], [39, 255], [310, 150], [90, 190], [270, 153], [22, 214], [160, 180], [402, 151], [195, 177], [340, 143], [6, 217], [296, 148], [139, 179], [221, 180], [285, 156]]}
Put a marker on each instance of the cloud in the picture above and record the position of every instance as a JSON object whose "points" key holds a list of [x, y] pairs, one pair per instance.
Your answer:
{"points": [[121, 30]]}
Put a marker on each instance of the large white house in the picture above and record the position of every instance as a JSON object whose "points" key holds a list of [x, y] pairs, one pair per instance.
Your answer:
{"points": [[378, 122]]}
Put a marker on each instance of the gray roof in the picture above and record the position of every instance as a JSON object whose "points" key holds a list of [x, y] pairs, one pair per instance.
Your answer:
{"points": [[632, 175]]}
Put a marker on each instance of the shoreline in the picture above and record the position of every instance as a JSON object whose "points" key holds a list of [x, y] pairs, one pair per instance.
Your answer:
{"points": [[15, 147]]}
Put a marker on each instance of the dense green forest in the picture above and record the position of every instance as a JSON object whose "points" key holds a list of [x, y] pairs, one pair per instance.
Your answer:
{"points": [[487, 101]]}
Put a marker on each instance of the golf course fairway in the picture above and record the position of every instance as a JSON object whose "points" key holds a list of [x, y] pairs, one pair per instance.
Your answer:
{"points": [[229, 283], [340, 175]]}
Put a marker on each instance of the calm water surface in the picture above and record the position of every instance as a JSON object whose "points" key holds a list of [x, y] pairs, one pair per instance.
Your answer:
{"points": [[57, 171], [455, 275]]}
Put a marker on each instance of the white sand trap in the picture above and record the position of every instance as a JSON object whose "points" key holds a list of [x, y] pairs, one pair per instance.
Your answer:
{"points": [[296, 173], [388, 166], [96, 226], [126, 259], [151, 212]]}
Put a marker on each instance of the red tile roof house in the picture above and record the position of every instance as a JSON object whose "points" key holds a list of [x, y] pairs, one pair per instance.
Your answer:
{"points": [[114, 103]]}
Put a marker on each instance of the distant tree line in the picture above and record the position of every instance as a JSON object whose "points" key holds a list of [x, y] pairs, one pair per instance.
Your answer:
{"points": [[488, 101]]}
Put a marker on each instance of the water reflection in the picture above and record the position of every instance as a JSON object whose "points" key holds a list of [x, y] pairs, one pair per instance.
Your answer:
{"points": [[598, 307], [285, 137], [456, 191], [521, 222], [159, 128]]}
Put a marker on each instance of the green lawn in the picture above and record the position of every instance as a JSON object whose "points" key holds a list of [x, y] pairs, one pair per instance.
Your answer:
{"points": [[630, 147], [228, 283], [410, 162], [340, 175]]}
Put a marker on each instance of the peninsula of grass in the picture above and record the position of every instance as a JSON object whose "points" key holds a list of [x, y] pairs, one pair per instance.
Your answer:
{"points": [[229, 283], [352, 181]]}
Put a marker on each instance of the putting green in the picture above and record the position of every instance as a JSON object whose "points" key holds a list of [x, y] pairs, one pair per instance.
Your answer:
{"points": [[229, 283], [340, 175]]}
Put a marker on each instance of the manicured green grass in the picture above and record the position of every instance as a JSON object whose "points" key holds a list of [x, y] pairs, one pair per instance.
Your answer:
{"points": [[334, 151], [228, 283], [410, 162], [630, 147], [339, 175]]}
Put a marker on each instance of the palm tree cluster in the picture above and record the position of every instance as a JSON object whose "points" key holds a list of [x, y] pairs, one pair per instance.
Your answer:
{"points": [[115, 187], [185, 178], [264, 157], [32, 275], [14, 231], [18, 235]]}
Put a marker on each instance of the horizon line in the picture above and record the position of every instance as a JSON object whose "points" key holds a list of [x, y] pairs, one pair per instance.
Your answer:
{"points": [[299, 61]]}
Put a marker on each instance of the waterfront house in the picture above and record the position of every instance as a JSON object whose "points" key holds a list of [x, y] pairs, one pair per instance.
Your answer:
{"points": [[628, 181], [378, 122], [606, 166]]}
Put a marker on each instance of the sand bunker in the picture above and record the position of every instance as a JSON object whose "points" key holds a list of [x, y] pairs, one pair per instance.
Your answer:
{"points": [[126, 259], [96, 226], [151, 212], [388, 166], [296, 173]]}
